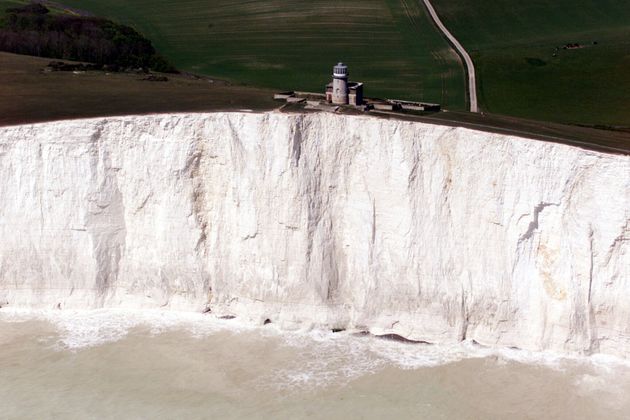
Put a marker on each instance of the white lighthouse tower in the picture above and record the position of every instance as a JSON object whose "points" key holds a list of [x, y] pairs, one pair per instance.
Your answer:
{"points": [[340, 84]]}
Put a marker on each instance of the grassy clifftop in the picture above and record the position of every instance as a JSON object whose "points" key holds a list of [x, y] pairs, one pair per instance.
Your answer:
{"points": [[28, 94], [513, 44], [391, 45], [523, 69]]}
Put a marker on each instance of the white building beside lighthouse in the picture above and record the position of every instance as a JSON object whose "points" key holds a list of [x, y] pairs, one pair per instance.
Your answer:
{"points": [[341, 91]]}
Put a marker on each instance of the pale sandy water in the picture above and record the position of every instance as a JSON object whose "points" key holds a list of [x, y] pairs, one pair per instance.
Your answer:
{"points": [[108, 364]]}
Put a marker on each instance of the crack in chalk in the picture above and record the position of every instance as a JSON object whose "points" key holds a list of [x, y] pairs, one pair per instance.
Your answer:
{"points": [[622, 237], [144, 202], [593, 338], [252, 236], [296, 142], [534, 224], [590, 272], [373, 221], [106, 221]]}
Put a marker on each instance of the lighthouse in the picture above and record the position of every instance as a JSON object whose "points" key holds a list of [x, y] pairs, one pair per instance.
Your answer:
{"points": [[341, 91], [340, 84]]}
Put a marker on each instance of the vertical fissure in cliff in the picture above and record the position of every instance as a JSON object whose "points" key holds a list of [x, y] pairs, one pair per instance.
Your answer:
{"points": [[105, 221]]}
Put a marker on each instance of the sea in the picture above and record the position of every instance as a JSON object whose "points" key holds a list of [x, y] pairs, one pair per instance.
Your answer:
{"points": [[114, 364]]}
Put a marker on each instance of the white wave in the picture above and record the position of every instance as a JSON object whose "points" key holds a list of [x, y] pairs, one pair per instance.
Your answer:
{"points": [[341, 357], [88, 328], [324, 357]]}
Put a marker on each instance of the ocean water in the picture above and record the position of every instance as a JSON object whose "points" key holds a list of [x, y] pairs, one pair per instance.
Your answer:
{"points": [[166, 365]]}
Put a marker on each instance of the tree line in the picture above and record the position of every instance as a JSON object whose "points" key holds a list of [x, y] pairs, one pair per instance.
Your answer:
{"points": [[33, 30]]}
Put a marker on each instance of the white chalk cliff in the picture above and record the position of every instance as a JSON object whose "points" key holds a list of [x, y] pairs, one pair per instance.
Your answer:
{"points": [[433, 233]]}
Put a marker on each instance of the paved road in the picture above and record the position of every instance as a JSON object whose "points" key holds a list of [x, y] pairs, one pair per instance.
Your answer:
{"points": [[470, 67]]}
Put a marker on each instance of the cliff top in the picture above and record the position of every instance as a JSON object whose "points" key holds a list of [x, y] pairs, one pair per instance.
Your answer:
{"points": [[31, 95]]}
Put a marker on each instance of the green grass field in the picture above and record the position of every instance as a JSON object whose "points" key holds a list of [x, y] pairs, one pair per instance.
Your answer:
{"points": [[390, 45], [513, 42]]}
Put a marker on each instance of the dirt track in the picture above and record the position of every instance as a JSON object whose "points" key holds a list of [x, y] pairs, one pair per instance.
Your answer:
{"points": [[470, 67]]}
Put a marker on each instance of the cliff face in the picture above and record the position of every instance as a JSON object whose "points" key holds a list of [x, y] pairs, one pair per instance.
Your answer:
{"points": [[434, 233]]}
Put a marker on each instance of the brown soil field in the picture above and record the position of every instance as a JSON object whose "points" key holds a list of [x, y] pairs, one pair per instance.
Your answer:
{"points": [[28, 94]]}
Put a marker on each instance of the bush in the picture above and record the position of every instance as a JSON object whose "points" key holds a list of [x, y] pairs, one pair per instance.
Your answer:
{"points": [[32, 30]]}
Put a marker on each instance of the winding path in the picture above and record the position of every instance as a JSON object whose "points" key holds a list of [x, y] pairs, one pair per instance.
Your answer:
{"points": [[470, 67]]}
